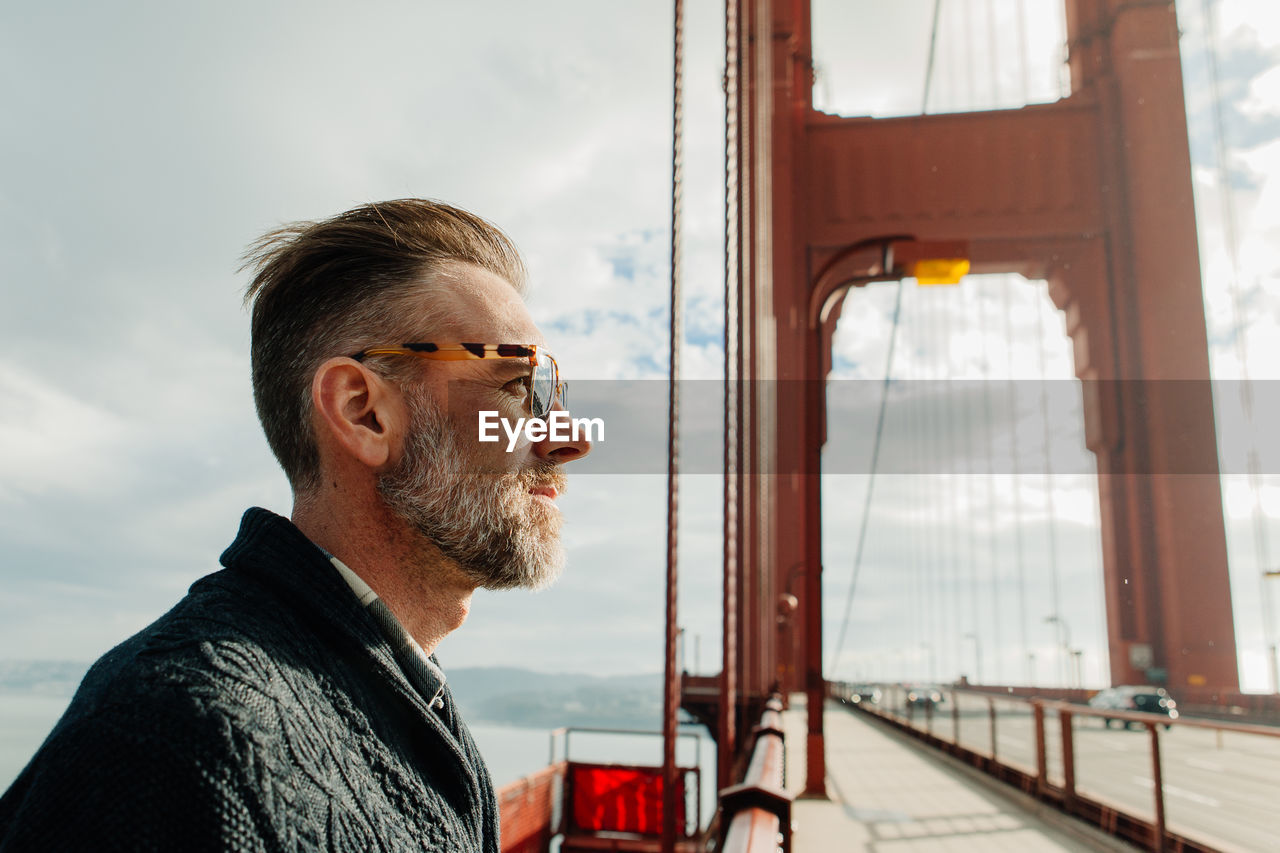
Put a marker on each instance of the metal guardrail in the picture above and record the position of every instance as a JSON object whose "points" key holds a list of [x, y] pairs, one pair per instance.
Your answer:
{"points": [[921, 719], [527, 810], [541, 807], [756, 814]]}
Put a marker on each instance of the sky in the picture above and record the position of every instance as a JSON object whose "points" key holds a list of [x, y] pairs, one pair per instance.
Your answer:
{"points": [[147, 144]]}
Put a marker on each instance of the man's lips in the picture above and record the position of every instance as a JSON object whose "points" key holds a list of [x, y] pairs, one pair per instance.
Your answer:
{"points": [[547, 491]]}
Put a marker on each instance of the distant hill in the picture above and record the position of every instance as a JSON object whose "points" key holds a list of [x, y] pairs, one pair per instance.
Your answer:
{"points": [[507, 695], [521, 697]]}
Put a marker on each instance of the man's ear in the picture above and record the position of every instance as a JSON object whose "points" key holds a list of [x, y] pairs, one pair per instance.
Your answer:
{"points": [[355, 409]]}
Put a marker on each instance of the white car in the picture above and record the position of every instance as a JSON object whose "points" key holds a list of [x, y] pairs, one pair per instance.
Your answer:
{"points": [[1144, 698]]}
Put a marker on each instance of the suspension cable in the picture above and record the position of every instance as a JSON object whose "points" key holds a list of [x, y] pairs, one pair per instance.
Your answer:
{"points": [[988, 427], [671, 687], [911, 432], [726, 736], [1023, 62], [993, 56], [921, 546], [971, 538], [938, 420], [1049, 487], [953, 487], [970, 88], [933, 52], [1020, 558], [1240, 331], [871, 481]]}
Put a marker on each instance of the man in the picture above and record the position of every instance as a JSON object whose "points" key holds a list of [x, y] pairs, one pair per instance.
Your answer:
{"points": [[291, 700]]}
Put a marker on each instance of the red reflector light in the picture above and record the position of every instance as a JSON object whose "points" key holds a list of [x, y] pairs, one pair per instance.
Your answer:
{"points": [[621, 799]]}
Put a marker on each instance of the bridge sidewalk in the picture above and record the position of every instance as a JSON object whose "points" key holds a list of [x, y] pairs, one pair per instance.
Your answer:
{"points": [[890, 794]]}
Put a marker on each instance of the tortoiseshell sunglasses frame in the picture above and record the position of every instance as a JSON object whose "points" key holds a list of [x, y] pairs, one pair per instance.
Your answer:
{"points": [[466, 351]]}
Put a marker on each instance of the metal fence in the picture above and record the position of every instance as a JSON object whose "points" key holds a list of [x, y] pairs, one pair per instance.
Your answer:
{"points": [[1159, 783]]}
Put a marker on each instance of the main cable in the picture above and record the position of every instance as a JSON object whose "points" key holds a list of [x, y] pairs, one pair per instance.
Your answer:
{"points": [[1240, 332], [871, 481], [933, 52]]}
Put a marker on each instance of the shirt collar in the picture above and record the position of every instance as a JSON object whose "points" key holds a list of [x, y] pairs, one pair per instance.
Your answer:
{"points": [[422, 670]]}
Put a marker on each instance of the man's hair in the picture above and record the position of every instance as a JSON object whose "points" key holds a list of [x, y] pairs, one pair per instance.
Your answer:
{"points": [[330, 288]]}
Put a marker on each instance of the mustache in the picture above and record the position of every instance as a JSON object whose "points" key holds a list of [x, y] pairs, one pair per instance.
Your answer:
{"points": [[541, 475]]}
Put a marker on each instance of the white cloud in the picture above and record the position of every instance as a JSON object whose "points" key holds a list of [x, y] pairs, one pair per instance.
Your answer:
{"points": [[128, 444], [56, 442]]}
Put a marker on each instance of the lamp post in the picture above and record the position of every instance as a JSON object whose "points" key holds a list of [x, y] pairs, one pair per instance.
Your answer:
{"points": [[1272, 661], [977, 656], [894, 257], [933, 662], [1064, 644]]}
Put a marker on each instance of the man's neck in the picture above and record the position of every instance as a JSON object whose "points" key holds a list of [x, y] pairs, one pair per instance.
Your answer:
{"points": [[426, 592]]}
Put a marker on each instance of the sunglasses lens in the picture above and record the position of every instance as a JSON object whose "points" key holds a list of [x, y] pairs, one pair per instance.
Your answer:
{"points": [[544, 386]]}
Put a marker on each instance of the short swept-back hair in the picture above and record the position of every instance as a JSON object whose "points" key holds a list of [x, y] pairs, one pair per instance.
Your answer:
{"points": [[335, 287]]}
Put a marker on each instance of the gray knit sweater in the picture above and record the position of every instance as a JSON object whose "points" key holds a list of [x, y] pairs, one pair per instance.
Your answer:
{"points": [[266, 711]]}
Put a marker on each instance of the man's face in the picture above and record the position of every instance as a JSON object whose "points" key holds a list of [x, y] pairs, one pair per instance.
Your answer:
{"points": [[491, 511]]}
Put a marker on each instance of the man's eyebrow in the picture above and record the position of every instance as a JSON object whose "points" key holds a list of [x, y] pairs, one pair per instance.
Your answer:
{"points": [[512, 367]]}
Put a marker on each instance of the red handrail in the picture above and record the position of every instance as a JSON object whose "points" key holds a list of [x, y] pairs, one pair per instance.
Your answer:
{"points": [[756, 814]]}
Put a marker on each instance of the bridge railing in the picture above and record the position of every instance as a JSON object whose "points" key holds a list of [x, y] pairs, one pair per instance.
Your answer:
{"points": [[756, 814], [1221, 778]]}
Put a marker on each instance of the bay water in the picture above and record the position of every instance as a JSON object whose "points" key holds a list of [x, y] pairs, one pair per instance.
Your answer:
{"points": [[512, 752]]}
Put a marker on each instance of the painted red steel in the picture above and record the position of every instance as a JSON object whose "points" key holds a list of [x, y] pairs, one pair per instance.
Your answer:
{"points": [[761, 822], [611, 798], [752, 831], [1093, 194], [526, 808]]}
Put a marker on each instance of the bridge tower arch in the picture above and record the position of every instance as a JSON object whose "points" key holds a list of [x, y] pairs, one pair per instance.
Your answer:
{"points": [[1092, 193]]}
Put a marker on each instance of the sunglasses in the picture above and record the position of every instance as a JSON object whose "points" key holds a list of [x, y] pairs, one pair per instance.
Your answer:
{"points": [[545, 387]]}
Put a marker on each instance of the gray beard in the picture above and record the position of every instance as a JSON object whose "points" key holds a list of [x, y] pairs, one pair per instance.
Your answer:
{"points": [[485, 522]]}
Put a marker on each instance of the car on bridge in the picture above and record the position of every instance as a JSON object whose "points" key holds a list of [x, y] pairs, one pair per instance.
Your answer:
{"points": [[924, 696], [1130, 697], [864, 693]]}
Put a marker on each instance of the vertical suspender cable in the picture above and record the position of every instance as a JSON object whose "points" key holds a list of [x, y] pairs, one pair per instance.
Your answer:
{"points": [[1023, 61], [1024, 76], [933, 573], [726, 736], [671, 686], [916, 401], [1050, 510], [937, 421], [993, 56], [953, 485], [988, 428], [919, 606], [871, 482], [1011, 388], [922, 566], [969, 475], [933, 53], [970, 88], [1240, 331]]}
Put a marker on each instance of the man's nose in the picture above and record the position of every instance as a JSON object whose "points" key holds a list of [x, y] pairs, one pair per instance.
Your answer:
{"points": [[561, 450]]}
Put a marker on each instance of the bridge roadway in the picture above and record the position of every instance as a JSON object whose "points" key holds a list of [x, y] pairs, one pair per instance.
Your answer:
{"points": [[1220, 788], [890, 794]]}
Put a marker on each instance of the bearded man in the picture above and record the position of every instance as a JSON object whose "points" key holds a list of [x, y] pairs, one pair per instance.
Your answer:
{"points": [[292, 700]]}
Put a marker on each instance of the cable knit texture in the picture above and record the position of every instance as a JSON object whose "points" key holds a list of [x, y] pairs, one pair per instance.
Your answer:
{"points": [[266, 711]]}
